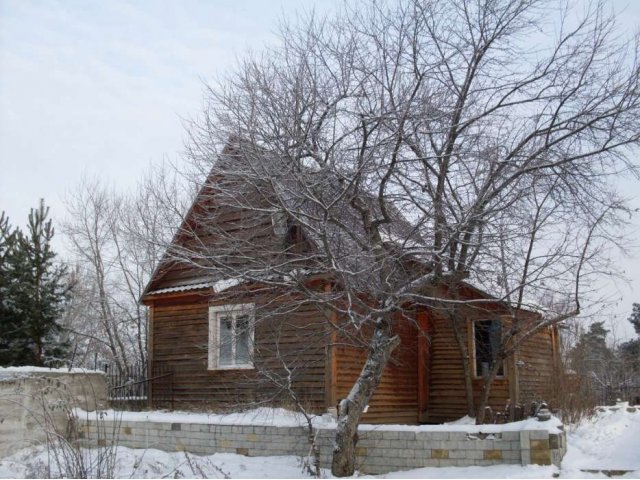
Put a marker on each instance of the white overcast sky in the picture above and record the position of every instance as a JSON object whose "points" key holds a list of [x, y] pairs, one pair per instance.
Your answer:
{"points": [[101, 88]]}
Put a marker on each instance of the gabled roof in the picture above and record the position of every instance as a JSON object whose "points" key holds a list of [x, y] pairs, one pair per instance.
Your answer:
{"points": [[320, 205]]}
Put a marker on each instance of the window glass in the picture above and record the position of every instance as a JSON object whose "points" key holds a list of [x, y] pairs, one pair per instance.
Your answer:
{"points": [[226, 341], [231, 336], [243, 337], [487, 337]]}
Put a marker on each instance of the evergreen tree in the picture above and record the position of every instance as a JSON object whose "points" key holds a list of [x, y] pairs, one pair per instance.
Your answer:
{"points": [[630, 351], [591, 357], [634, 318], [6, 241], [7, 305], [35, 292]]}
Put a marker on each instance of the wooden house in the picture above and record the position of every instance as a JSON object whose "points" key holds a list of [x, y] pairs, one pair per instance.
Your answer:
{"points": [[219, 341]]}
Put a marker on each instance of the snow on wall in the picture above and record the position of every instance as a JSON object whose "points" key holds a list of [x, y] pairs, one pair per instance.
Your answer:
{"points": [[280, 417], [8, 372]]}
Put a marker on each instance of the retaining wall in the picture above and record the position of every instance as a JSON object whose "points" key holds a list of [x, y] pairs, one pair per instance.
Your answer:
{"points": [[379, 450], [36, 403]]}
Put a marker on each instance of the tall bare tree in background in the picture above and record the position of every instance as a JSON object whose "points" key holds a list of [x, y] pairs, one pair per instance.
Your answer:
{"points": [[117, 241], [497, 139]]}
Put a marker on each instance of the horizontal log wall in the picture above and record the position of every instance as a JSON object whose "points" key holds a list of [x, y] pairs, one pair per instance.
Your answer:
{"points": [[536, 370], [396, 398], [447, 394], [180, 344], [180, 336], [230, 235]]}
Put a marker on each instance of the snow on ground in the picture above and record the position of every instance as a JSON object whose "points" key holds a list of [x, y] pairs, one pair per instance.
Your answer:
{"points": [[38, 462], [608, 441], [34, 462], [496, 471], [30, 463]]}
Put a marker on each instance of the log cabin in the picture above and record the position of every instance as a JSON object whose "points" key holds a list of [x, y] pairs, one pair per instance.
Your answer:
{"points": [[222, 340]]}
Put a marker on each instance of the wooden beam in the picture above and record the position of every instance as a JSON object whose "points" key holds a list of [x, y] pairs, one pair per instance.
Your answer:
{"points": [[513, 378], [150, 356], [513, 375], [424, 342], [331, 361], [555, 356]]}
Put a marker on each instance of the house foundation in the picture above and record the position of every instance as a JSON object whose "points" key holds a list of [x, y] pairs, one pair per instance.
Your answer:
{"points": [[380, 449]]}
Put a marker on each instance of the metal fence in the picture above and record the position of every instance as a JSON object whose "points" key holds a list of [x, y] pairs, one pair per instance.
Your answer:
{"points": [[609, 395], [133, 390]]}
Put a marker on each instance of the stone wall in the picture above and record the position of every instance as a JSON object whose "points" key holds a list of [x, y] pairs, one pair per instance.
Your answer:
{"points": [[379, 450], [36, 403]]}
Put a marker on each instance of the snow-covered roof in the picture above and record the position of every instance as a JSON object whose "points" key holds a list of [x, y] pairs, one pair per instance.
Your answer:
{"points": [[318, 202], [181, 288], [217, 286]]}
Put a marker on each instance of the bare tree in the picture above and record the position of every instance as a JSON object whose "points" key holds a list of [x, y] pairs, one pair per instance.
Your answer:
{"points": [[117, 241], [94, 210], [498, 154]]}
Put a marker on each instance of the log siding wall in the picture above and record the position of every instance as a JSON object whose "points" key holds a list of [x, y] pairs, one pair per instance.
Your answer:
{"points": [[537, 370], [324, 367], [447, 397], [180, 344], [396, 398]]}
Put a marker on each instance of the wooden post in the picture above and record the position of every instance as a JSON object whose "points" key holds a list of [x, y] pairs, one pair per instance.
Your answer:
{"points": [[514, 384], [424, 343], [150, 356], [331, 361], [555, 347], [513, 377]]}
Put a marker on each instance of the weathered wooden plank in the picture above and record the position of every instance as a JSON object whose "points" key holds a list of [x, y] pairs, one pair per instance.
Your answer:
{"points": [[182, 343], [395, 400]]}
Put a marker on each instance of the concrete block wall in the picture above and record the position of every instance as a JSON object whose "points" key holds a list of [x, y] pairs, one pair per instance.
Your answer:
{"points": [[34, 404], [379, 450]]}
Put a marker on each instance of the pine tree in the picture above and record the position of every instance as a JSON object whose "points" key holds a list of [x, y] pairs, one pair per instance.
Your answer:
{"points": [[6, 244], [8, 238], [591, 357], [35, 294], [634, 318], [630, 350]]}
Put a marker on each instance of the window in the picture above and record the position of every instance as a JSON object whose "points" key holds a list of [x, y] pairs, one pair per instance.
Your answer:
{"points": [[231, 337], [279, 220], [487, 335]]}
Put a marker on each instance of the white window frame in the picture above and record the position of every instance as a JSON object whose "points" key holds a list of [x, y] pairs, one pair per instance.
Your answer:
{"points": [[215, 313]]}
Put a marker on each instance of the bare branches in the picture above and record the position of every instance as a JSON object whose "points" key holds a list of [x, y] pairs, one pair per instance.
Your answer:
{"points": [[117, 242], [420, 148]]}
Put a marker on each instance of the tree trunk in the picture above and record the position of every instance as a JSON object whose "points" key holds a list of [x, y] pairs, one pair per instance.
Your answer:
{"points": [[486, 391], [466, 363], [351, 408]]}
